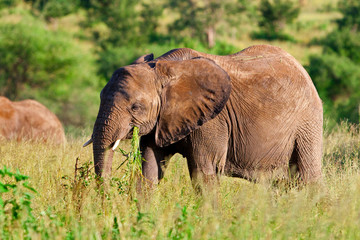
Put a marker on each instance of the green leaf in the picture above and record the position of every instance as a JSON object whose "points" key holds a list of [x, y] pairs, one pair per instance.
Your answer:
{"points": [[26, 185]]}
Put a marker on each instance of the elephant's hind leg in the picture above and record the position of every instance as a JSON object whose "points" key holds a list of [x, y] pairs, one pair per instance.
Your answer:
{"points": [[307, 152]]}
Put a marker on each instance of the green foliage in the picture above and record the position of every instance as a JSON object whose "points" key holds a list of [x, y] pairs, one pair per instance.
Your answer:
{"points": [[336, 72], [199, 20], [15, 204], [140, 226], [113, 58], [247, 210], [350, 10], [50, 9], [274, 15], [337, 81], [8, 3], [127, 183], [149, 20], [182, 229], [50, 67], [344, 43], [121, 19]]}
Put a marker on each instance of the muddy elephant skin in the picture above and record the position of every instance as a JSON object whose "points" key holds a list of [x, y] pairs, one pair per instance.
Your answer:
{"points": [[29, 120], [252, 114]]}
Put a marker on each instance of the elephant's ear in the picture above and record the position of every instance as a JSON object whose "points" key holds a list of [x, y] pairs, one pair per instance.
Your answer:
{"points": [[194, 91], [144, 59]]}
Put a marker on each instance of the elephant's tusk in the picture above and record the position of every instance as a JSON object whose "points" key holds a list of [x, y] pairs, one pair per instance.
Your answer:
{"points": [[88, 142], [116, 144]]}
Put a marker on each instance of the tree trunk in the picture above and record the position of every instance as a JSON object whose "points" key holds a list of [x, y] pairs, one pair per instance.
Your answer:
{"points": [[210, 32]]}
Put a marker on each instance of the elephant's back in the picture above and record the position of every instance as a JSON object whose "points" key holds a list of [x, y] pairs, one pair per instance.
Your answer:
{"points": [[6, 108], [272, 98], [8, 118], [272, 76], [43, 123], [36, 113]]}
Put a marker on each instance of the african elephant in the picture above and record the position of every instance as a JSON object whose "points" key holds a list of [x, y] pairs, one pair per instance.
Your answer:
{"points": [[252, 114], [29, 120]]}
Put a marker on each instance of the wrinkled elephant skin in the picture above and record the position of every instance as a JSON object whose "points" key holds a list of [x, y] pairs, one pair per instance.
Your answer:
{"points": [[252, 114], [29, 120]]}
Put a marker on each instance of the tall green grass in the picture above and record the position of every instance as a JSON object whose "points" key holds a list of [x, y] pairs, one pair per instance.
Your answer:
{"points": [[69, 206]]}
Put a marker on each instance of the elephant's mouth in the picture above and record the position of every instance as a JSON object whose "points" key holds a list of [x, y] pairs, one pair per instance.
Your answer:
{"points": [[129, 135], [114, 144]]}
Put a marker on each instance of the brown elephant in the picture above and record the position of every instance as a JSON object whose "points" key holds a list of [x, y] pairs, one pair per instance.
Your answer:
{"points": [[29, 120], [252, 114]]}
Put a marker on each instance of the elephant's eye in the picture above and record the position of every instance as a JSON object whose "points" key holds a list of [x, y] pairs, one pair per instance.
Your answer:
{"points": [[136, 107]]}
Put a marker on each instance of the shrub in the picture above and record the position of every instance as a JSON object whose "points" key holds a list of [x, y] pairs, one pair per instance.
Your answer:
{"points": [[343, 42], [274, 15], [16, 217], [337, 81], [49, 67], [54, 8], [336, 72], [351, 17]]}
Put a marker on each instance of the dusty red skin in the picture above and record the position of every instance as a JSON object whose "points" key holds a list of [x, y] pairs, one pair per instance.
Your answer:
{"points": [[252, 114], [29, 120]]}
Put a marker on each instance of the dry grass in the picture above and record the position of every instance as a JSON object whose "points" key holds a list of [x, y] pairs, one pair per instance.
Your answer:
{"points": [[246, 210]]}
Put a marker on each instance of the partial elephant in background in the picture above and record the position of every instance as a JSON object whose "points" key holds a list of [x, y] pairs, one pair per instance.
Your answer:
{"points": [[29, 120], [252, 114]]}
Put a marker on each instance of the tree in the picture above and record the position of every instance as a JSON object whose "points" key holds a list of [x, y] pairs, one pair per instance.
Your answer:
{"points": [[48, 66], [52, 9], [149, 20], [8, 3], [350, 10], [199, 19], [121, 19], [120, 29], [336, 72], [274, 15]]}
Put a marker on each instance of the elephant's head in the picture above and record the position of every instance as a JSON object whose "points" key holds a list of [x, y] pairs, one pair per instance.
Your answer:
{"points": [[171, 98]]}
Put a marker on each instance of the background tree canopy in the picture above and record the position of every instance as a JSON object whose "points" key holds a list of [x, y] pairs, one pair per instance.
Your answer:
{"points": [[62, 53], [336, 72]]}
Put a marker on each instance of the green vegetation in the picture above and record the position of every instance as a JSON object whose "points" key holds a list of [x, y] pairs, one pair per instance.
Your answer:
{"points": [[274, 15], [68, 204], [48, 66], [201, 19], [336, 72], [61, 53]]}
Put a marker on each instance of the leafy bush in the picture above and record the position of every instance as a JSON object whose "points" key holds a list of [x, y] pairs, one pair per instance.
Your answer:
{"points": [[120, 17], [49, 67], [200, 20], [54, 8], [343, 42], [15, 204], [115, 57], [8, 3], [351, 17], [337, 81], [274, 15], [336, 72]]}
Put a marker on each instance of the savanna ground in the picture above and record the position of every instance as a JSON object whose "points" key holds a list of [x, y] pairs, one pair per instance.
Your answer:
{"points": [[69, 207], [58, 201]]}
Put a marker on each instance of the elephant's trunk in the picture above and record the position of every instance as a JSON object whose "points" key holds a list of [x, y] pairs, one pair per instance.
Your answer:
{"points": [[107, 130], [103, 161], [103, 137]]}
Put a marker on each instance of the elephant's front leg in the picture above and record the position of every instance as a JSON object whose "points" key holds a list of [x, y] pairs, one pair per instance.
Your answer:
{"points": [[206, 156], [153, 167], [154, 162]]}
